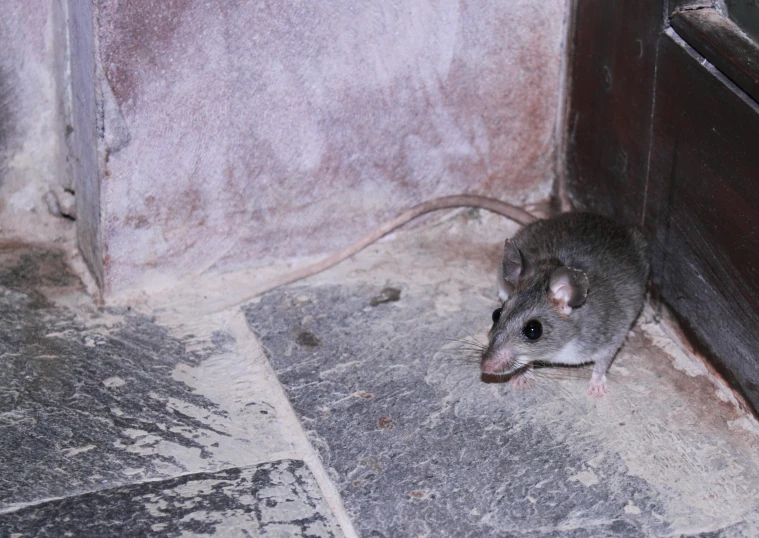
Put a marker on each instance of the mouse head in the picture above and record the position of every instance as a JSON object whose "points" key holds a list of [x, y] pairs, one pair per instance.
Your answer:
{"points": [[538, 318]]}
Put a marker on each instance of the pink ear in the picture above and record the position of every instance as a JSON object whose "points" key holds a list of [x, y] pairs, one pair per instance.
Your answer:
{"points": [[569, 286], [512, 264], [562, 292]]}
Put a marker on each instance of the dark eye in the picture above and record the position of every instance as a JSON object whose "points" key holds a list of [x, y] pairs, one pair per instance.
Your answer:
{"points": [[532, 329], [496, 315]]}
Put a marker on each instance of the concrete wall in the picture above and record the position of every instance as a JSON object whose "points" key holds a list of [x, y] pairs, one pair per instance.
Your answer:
{"points": [[32, 122], [86, 141], [212, 136], [250, 132]]}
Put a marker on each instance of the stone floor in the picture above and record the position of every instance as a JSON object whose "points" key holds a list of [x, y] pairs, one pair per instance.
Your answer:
{"points": [[349, 405]]}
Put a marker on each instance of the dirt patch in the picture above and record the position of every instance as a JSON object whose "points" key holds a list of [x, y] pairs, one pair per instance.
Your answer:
{"points": [[37, 271]]}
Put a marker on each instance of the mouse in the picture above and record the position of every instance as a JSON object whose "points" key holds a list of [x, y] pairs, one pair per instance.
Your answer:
{"points": [[571, 287]]}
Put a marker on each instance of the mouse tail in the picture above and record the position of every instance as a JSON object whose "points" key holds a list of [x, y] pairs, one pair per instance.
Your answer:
{"points": [[512, 212]]}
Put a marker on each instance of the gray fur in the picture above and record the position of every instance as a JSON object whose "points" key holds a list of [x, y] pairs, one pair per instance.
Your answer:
{"points": [[512, 264], [615, 260]]}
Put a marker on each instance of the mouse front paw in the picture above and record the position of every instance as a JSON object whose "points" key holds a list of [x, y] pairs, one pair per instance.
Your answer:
{"points": [[597, 385], [522, 380]]}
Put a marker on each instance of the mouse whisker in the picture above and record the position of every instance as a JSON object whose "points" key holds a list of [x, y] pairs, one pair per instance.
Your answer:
{"points": [[544, 381], [461, 346], [474, 338], [469, 356], [472, 343], [465, 349], [561, 376], [457, 353], [562, 372], [477, 352]]}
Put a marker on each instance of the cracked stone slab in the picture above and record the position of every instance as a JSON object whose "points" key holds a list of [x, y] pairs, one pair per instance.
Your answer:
{"points": [[277, 500], [419, 446], [100, 399]]}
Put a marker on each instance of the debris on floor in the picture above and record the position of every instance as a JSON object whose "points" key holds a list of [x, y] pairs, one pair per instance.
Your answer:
{"points": [[350, 404]]}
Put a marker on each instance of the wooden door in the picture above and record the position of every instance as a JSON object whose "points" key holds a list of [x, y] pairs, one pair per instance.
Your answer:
{"points": [[663, 132]]}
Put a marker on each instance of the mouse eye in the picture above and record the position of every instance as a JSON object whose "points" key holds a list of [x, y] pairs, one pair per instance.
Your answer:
{"points": [[532, 329], [497, 314]]}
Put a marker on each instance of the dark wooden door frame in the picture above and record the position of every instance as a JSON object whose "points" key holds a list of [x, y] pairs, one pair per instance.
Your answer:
{"points": [[660, 137]]}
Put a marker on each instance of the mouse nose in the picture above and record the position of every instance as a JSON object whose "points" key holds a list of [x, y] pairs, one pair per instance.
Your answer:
{"points": [[497, 362]]}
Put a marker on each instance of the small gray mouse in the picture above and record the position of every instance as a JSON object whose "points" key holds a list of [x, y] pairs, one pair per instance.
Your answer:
{"points": [[571, 287]]}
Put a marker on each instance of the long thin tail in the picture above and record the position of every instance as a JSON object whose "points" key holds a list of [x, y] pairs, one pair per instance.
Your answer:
{"points": [[446, 202]]}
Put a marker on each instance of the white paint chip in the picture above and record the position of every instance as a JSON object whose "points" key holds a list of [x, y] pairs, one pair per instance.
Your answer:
{"points": [[746, 423], [681, 360], [114, 382], [68, 452], [586, 478]]}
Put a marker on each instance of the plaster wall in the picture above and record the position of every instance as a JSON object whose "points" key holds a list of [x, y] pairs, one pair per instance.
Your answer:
{"points": [[32, 122], [245, 133], [87, 135]]}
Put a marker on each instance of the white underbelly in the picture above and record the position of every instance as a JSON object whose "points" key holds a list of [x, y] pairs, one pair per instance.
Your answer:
{"points": [[569, 354]]}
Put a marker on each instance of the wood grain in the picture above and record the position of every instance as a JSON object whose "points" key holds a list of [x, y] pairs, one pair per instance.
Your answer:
{"points": [[723, 43], [706, 245], [613, 65], [659, 136]]}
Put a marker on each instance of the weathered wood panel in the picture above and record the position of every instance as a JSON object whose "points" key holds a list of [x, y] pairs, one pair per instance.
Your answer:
{"points": [[722, 42], [613, 65], [706, 251], [665, 139]]}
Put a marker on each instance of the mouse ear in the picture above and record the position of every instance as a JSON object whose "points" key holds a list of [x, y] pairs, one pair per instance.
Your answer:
{"points": [[569, 287], [512, 265]]}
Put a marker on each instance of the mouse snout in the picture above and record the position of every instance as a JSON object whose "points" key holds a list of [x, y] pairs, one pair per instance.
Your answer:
{"points": [[497, 362]]}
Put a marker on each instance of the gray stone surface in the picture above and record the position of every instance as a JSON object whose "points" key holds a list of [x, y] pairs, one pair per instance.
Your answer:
{"points": [[420, 446], [277, 499], [105, 430], [114, 415], [79, 407], [409, 460]]}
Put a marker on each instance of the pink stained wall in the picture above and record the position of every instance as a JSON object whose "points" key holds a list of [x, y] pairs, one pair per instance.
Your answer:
{"points": [[244, 133]]}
